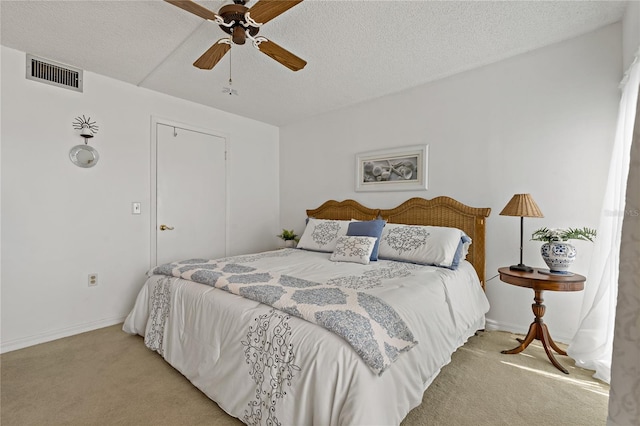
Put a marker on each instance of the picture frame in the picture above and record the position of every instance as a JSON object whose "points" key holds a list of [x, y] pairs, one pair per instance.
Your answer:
{"points": [[397, 169]]}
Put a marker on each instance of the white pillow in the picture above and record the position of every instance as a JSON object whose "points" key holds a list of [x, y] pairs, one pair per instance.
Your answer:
{"points": [[322, 234], [353, 249], [425, 245]]}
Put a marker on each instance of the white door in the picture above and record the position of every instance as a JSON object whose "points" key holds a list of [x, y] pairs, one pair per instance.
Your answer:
{"points": [[190, 197]]}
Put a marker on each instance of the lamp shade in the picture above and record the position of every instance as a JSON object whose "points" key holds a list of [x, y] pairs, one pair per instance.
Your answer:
{"points": [[521, 205]]}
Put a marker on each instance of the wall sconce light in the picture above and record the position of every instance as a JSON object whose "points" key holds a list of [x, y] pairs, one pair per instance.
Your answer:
{"points": [[84, 155]]}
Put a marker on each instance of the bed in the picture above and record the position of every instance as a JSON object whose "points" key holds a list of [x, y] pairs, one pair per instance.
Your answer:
{"points": [[324, 334]]}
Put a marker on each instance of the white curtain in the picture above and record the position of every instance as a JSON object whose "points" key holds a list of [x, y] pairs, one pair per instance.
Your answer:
{"points": [[592, 344]]}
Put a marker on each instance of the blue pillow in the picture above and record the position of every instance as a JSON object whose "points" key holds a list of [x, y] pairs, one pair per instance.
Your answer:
{"points": [[370, 228], [459, 252]]}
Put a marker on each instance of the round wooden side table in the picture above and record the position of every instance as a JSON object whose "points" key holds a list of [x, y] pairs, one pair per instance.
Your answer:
{"points": [[540, 282]]}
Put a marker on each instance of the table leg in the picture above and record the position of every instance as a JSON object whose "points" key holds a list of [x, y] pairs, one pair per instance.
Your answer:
{"points": [[547, 339], [531, 335], [553, 344], [538, 330]]}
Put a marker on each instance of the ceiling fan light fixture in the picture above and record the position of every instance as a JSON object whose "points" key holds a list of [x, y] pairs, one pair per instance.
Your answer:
{"points": [[238, 35]]}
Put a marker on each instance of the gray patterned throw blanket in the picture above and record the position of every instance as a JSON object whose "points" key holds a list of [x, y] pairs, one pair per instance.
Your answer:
{"points": [[367, 323]]}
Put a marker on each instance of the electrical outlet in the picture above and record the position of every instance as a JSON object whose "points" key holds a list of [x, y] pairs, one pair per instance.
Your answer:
{"points": [[93, 280]]}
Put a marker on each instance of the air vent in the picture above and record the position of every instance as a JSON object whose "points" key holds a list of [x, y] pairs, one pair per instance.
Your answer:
{"points": [[49, 72]]}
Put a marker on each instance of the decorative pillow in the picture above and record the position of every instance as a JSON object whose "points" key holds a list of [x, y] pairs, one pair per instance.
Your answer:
{"points": [[461, 251], [370, 228], [353, 249], [321, 234], [425, 245]]}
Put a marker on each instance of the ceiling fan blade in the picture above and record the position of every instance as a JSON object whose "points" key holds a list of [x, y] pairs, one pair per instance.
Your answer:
{"points": [[213, 55], [281, 55], [194, 8], [266, 10]]}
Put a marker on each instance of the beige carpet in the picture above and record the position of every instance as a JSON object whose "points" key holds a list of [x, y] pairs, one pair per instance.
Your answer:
{"points": [[106, 377]]}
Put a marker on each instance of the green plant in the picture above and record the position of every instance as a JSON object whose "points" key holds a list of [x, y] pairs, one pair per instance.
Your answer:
{"points": [[288, 235], [557, 234]]}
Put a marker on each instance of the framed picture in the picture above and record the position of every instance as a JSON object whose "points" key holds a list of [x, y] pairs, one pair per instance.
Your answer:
{"points": [[397, 169]]}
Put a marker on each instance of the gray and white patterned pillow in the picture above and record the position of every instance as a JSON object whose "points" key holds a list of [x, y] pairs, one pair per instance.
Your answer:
{"points": [[425, 245], [353, 249], [322, 235]]}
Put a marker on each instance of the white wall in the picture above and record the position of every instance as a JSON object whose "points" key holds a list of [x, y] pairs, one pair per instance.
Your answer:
{"points": [[542, 122], [630, 33], [61, 222]]}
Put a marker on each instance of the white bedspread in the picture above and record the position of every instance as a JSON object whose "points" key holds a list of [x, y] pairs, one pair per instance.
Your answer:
{"points": [[264, 366]]}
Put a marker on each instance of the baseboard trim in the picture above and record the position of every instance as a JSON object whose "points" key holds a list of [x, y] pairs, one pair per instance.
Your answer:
{"points": [[493, 325], [24, 342]]}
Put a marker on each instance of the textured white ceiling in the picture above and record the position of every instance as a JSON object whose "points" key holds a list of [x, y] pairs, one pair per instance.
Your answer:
{"points": [[356, 50]]}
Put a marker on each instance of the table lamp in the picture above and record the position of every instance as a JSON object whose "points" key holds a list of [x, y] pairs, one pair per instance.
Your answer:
{"points": [[521, 205]]}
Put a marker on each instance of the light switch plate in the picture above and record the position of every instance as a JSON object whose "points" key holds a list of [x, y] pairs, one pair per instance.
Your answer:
{"points": [[135, 208]]}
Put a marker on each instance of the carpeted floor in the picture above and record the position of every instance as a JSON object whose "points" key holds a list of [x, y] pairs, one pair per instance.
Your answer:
{"points": [[106, 377]]}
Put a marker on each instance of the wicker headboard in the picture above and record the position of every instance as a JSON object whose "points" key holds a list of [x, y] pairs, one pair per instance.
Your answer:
{"points": [[343, 210], [440, 211], [445, 211]]}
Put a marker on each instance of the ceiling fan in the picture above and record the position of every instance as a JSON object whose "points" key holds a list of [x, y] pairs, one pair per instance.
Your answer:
{"points": [[242, 23]]}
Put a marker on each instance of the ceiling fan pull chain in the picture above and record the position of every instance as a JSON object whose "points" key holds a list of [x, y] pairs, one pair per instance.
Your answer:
{"points": [[230, 90], [230, 82]]}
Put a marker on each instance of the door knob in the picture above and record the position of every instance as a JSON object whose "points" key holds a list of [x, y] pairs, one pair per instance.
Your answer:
{"points": [[166, 228]]}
